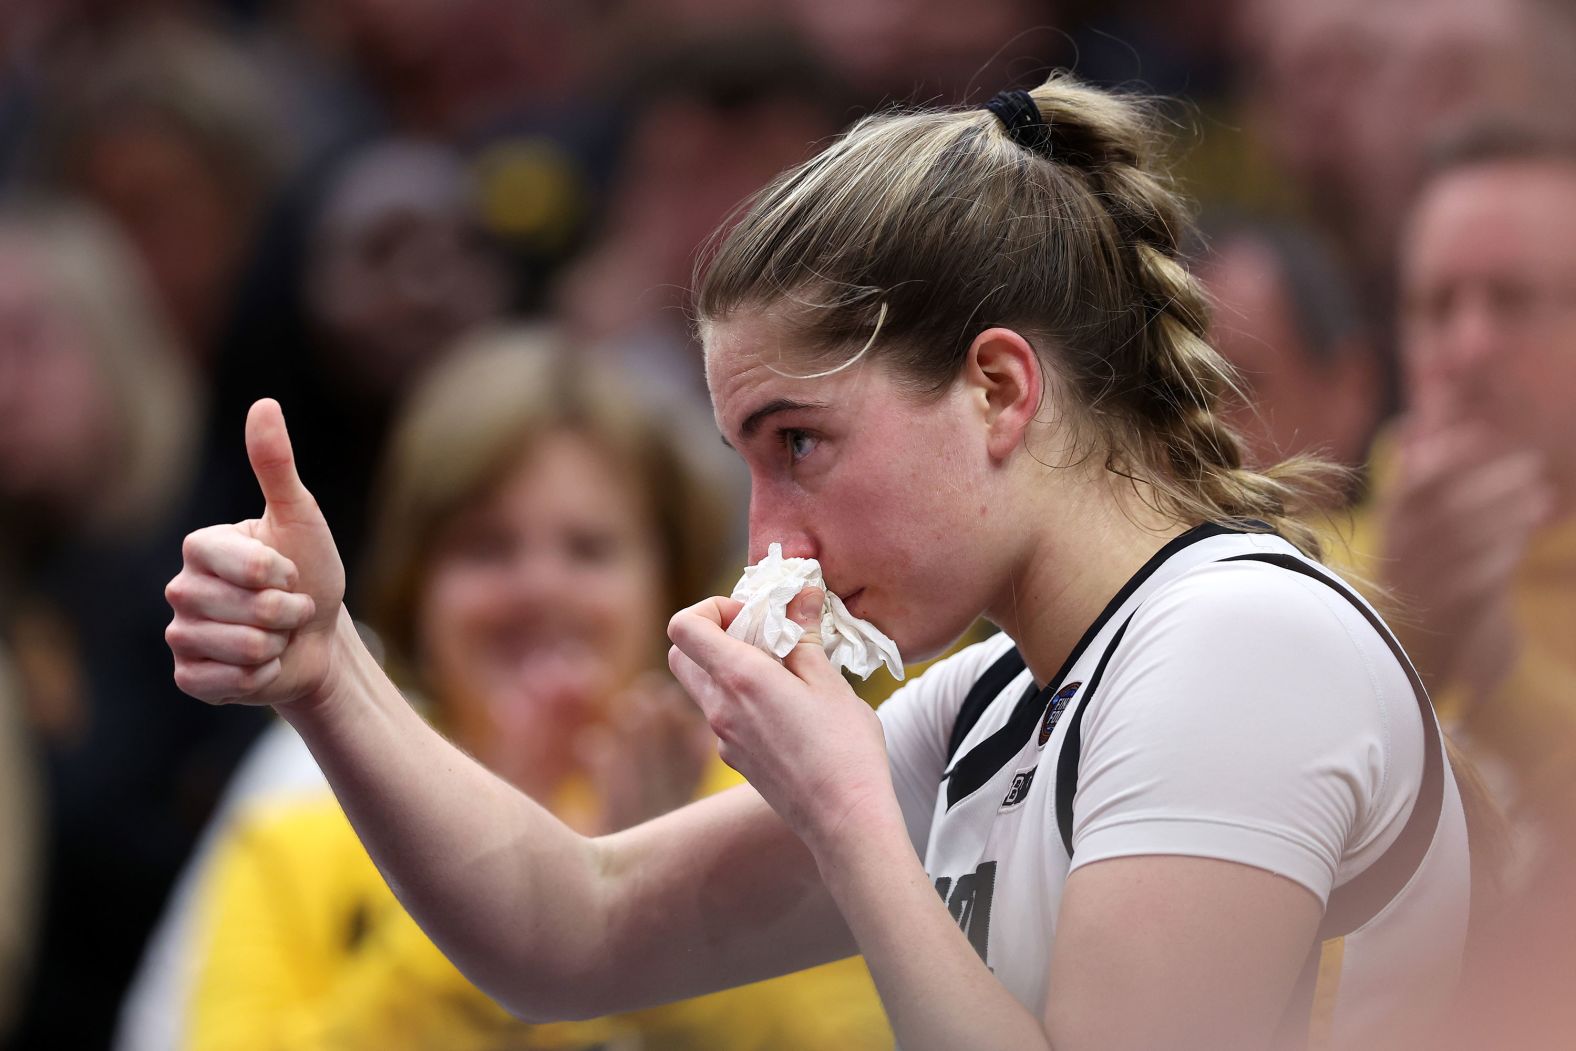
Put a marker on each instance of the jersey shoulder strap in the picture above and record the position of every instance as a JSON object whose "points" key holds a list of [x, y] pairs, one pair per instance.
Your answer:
{"points": [[1361, 898], [1002, 671]]}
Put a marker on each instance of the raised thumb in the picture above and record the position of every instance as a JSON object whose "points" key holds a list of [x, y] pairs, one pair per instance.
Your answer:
{"points": [[807, 659], [273, 461]]}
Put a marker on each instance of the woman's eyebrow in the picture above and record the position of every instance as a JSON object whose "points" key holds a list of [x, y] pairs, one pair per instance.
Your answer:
{"points": [[753, 421]]}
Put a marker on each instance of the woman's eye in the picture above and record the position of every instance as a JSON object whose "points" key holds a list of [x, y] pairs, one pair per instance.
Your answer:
{"points": [[592, 548], [482, 545], [798, 443]]}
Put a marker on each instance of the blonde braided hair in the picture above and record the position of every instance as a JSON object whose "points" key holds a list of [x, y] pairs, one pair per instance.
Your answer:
{"points": [[917, 230]]}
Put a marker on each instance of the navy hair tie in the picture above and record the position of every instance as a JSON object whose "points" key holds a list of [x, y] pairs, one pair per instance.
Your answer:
{"points": [[1020, 115]]}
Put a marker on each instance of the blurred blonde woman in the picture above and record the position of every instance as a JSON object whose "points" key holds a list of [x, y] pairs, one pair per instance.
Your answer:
{"points": [[97, 407], [538, 523], [98, 412]]}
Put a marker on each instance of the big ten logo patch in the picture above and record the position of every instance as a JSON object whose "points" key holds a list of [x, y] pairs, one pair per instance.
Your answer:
{"points": [[968, 898], [1021, 783]]}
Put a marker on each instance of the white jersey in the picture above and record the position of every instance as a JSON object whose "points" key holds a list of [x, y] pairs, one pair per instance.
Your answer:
{"points": [[1233, 701]]}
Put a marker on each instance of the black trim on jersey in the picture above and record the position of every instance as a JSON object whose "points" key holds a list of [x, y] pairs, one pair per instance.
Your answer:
{"points": [[1365, 895], [985, 759], [996, 751], [1008, 667], [1072, 742]]}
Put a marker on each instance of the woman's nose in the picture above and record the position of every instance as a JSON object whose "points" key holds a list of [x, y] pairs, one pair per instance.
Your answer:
{"points": [[796, 543], [772, 522], [538, 576]]}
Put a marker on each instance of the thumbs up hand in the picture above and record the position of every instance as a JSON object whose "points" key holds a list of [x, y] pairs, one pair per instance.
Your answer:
{"points": [[257, 603]]}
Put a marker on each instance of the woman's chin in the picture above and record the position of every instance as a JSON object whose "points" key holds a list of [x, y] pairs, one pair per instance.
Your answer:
{"points": [[927, 643]]}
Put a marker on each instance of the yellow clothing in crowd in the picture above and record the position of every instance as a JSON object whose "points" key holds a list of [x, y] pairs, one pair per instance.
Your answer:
{"points": [[1529, 721], [306, 949]]}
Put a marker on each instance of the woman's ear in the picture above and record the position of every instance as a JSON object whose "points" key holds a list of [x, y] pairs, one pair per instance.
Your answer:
{"points": [[1005, 379]]}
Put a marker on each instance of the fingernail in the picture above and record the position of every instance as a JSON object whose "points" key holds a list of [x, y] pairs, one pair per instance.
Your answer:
{"points": [[805, 609]]}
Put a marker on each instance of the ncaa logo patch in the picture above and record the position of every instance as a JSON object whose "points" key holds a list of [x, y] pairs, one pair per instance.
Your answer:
{"points": [[1053, 714]]}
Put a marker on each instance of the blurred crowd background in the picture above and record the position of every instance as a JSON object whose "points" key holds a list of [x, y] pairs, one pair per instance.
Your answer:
{"points": [[346, 204]]}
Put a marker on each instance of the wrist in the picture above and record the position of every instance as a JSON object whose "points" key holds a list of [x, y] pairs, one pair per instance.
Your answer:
{"points": [[330, 693], [859, 818]]}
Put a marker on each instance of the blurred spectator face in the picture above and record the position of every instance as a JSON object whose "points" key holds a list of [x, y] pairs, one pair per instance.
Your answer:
{"points": [[175, 208], [1298, 400], [1442, 62], [1314, 64], [448, 66], [689, 164], [169, 128], [554, 575], [1351, 90], [1489, 272], [56, 415], [399, 270], [899, 49]]}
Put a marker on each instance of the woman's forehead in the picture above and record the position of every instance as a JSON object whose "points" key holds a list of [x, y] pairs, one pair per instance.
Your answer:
{"points": [[745, 352]]}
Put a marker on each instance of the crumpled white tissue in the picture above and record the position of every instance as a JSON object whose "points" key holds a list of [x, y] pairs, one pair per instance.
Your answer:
{"points": [[770, 585]]}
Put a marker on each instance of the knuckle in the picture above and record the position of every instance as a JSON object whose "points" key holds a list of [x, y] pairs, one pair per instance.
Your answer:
{"points": [[676, 623], [257, 647], [732, 681], [255, 568], [269, 607], [188, 681]]}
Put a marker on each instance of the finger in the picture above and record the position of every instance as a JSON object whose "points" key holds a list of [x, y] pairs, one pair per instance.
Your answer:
{"points": [[1470, 506], [1476, 583], [1440, 459], [216, 682], [202, 596], [236, 644], [1487, 512], [273, 461], [661, 697], [717, 609], [693, 679], [238, 559], [698, 631], [807, 660], [1506, 480]]}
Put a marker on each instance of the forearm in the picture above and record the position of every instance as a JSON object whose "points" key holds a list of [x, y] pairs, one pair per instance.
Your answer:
{"points": [[937, 991], [507, 891]]}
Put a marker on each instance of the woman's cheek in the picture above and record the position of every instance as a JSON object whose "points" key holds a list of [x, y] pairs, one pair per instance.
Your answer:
{"points": [[635, 617], [457, 611]]}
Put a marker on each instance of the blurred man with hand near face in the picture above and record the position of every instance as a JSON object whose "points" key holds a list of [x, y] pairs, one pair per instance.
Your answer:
{"points": [[1474, 519]]}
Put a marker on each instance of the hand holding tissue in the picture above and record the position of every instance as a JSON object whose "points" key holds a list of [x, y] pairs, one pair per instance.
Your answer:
{"points": [[770, 585]]}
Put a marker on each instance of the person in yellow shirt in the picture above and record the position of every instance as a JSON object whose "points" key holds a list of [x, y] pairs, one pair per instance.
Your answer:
{"points": [[1471, 528], [1472, 520], [538, 524]]}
